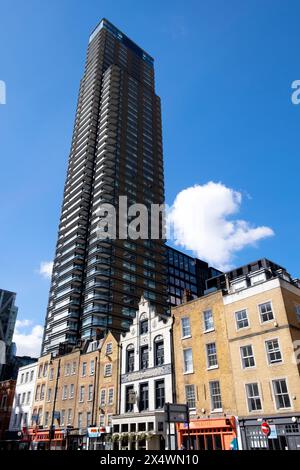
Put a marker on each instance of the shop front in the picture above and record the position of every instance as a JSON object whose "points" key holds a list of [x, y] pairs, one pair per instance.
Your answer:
{"points": [[76, 439], [99, 438], [15, 440], [40, 439], [143, 431], [208, 434], [270, 432]]}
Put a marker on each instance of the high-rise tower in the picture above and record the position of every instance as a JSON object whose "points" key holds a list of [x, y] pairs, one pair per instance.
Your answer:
{"points": [[8, 316], [116, 151]]}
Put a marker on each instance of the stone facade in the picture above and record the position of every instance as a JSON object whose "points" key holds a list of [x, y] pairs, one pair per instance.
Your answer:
{"points": [[146, 381], [24, 396]]}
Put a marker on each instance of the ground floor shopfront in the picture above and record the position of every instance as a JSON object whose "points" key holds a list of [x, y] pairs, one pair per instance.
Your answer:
{"points": [[208, 434], [141, 431], [284, 433], [71, 439], [40, 440]]}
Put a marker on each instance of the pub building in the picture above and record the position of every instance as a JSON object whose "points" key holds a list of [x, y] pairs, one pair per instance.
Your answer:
{"points": [[146, 383]]}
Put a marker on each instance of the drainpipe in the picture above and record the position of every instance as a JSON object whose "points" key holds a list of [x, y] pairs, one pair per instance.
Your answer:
{"points": [[95, 386]]}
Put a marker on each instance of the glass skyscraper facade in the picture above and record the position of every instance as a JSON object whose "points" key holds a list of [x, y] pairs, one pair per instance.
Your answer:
{"points": [[8, 316], [116, 151], [186, 273]]}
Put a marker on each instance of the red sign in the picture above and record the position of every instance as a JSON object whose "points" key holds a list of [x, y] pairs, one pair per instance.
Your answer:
{"points": [[265, 428]]}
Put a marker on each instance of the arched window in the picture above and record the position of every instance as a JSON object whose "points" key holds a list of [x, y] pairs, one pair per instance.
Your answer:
{"points": [[159, 352], [130, 358], [143, 324]]}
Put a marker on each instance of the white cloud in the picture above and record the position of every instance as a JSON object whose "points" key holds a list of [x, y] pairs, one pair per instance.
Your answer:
{"points": [[199, 220], [28, 341], [22, 323], [46, 269]]}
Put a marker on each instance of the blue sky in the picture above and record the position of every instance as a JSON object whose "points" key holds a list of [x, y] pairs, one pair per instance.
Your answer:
{"points": [[223, 71]]}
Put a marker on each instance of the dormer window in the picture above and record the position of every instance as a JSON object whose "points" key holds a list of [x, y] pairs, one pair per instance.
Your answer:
{"points": [[239, 284], [257, 278]]}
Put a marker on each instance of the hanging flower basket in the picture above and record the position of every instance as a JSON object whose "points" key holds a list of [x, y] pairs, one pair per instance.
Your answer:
{"points": [[116, 437], [132, 437], [150, 436]]}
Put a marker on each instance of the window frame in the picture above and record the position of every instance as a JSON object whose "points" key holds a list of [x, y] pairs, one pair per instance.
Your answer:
{"points": [[259, 396], [146, 400], [208, 330], [106, 366], [212, 409], [260, 314], [156, 388], [189, 335], [186, 395], [184, 362], [236, 321], [247, 357], [208, 356], [274, 363], [275, 396]]}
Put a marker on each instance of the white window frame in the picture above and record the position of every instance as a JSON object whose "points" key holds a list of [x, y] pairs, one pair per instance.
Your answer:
{"points": [[81, 393], [186, 397], [65, 392], [184, 336], [103, 397], [260, 314], [83, 364], [109, 348], [90, 395], [247, 357], [106, 366], [208, 330], [111, 396], [259, 396], [214, 366], [184, 361], [267, 352], [92, 369], [236, 321], [288, 392], [215, 410]]}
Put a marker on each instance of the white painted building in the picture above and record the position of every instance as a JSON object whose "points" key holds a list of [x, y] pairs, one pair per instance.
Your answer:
{"points": [[24, 395], [146, 382]]}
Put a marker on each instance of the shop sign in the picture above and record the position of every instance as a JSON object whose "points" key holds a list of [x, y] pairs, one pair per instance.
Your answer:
{"points": [[94, 432], [273, 432]]}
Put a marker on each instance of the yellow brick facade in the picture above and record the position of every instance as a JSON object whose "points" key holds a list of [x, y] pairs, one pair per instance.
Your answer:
{"points": [[233, 377], [71, 386], [202, 375], [108, 380], [284, 327]]}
